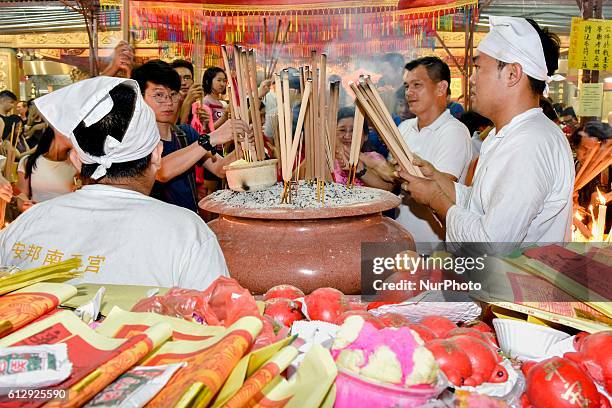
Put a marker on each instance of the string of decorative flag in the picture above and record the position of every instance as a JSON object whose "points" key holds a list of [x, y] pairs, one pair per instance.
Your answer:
{"points": [[176, 27]]}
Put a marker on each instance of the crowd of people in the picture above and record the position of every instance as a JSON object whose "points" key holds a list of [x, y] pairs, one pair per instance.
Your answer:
{"points": [[130, 154]]}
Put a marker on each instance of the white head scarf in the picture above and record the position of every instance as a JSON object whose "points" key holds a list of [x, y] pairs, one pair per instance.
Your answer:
{"points": [[89, 101], [514, 40]]}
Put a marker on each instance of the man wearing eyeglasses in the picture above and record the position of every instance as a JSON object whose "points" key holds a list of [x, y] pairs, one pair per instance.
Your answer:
{"points": [[160, 85]]}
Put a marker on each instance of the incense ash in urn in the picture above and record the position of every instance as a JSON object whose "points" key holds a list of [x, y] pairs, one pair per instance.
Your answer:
{"points": [[304, 196], [267, 243]]}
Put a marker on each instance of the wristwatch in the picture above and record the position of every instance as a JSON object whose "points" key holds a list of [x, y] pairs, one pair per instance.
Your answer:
{"points": [[361, 173], [204, 141]]}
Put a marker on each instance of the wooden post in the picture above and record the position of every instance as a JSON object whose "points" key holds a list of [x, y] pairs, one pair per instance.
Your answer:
{"points": [[125, 20]]}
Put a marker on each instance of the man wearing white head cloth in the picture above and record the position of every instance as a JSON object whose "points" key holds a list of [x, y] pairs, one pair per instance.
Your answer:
{"points": [[522, 187], [122, 235]]}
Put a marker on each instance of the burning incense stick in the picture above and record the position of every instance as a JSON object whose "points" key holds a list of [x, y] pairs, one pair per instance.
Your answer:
{"points": [[355, 146]]}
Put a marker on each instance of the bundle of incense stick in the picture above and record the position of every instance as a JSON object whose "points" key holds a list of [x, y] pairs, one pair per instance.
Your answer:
{"points": [[358, 122], [8, 169], [288, 143], [371, 104], [280, 38], [369, 101], [245, 105], [598, 160]]}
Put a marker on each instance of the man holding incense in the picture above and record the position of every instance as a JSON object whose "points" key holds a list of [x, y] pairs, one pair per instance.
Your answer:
{"points": [[183, 146], [122, 235], [436, 136], [522, 188]]}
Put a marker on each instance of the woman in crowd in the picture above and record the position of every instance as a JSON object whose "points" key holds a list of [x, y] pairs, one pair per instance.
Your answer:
{"points": [[35, 126], [47, 172], [214, 83], [373, 170]]}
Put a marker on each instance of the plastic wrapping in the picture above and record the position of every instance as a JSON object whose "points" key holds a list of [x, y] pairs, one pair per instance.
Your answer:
{"points": [[221, 304]]}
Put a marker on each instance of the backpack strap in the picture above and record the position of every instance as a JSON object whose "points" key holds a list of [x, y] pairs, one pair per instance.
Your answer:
{"points": [[183, 142]]}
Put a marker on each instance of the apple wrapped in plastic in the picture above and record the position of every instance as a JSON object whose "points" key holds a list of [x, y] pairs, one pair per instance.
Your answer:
{"points": [[283, 311], [283, 291], [389, 355], [590, 355], [560, 383], [326, 304]]}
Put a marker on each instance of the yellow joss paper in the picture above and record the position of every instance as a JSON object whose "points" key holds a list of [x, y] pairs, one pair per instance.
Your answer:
{"points": [[313, 379], [121, 324], [246, 367], [123, 296], [208, 369], [60, 272], [132, 351], [28, 304]]}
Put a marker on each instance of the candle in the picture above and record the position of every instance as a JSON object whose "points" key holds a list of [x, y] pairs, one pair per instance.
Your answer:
{"points": [[593, 223], [601, 217]]}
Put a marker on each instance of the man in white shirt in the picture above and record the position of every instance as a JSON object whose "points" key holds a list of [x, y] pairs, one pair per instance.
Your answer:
{"points": [[435, 136], [122, 235], [522, 188]]}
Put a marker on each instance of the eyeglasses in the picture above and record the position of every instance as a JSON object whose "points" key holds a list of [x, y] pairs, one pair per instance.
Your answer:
{"points": [[161, 97]]}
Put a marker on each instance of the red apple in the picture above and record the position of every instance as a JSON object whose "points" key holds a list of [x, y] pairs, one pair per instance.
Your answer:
{"points": [[283, 291], [283, 311], [326, 304]]}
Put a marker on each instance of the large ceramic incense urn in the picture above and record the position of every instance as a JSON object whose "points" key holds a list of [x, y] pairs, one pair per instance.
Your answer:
{"points": [[307, 247]]}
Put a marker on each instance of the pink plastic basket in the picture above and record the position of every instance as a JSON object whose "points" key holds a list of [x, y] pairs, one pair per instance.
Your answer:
{"points": [[356, 391]]}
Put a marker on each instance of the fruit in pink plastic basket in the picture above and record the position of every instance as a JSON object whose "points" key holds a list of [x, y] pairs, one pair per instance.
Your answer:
{"points": [[560, 383], [453, 361], [591, 357], [326, 304], [283, 291], [283, 311], [438, 324], [484, 361], [366, 316], [464, 331]]}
